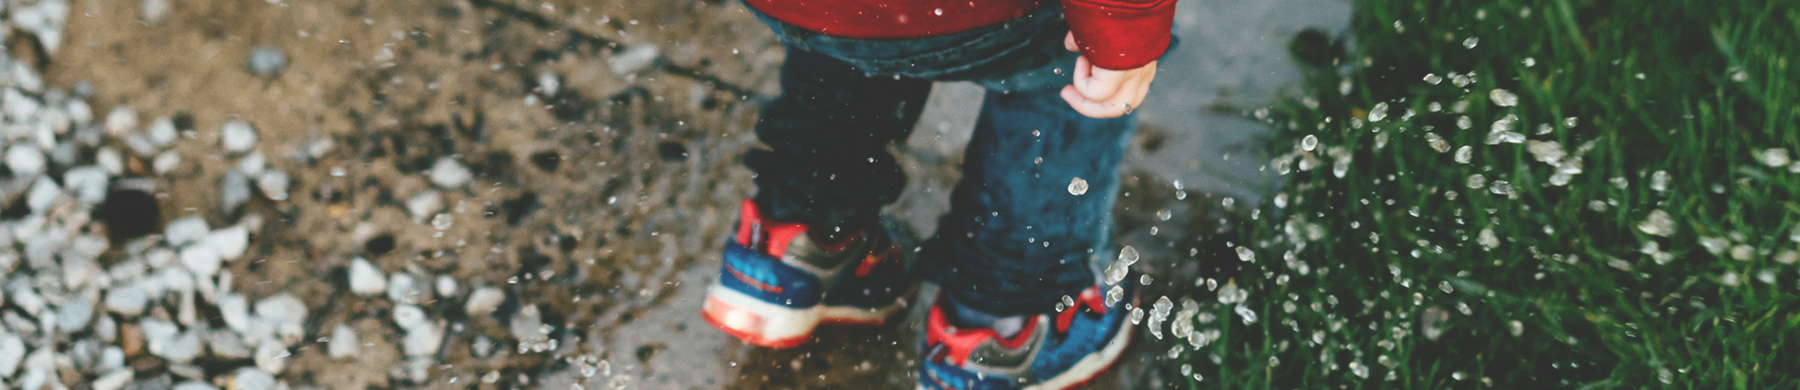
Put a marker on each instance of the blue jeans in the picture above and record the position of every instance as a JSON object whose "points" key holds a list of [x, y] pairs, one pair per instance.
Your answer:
{"points": [[1016, 239]]}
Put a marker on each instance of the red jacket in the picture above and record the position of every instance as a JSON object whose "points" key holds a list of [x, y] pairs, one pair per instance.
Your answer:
{"points": [[1114, 34]]}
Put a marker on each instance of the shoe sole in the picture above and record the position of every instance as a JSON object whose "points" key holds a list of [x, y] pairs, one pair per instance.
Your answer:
{"points": [[769, 325], [1088, 368]]}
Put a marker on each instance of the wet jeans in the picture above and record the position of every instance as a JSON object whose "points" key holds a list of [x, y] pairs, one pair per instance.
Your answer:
{"points": [[1019, 235]]}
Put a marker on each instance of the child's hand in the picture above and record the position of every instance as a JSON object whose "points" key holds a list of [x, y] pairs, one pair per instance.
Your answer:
{"points": [[1105, 93]]}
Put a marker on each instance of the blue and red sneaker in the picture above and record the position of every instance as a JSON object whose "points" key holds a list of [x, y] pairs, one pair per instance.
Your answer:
{"points": [[778, 282], [1053, 351]]}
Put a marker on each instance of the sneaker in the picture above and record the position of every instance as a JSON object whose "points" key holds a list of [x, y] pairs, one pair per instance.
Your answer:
{"points": [[1053, 351], [778, 282]]}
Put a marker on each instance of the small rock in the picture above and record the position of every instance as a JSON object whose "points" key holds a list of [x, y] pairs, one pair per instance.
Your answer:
{"points": [[115, 380], [88, 183], [235, 310], [409, 316], [404, 287], [274, 184], [44, 193], [482, 347], [424, 204], [343, 344], [253, 164], [166, 162], [227, 344], [155, 10], [185, 230], [365, 279], [194, 385], [179, 349], [163, 132], [267, 60], [251, 378], [483, 301], [121, 120], [423, 340], [131, 339], [237, 136], [24, 160], [446, 286], [110, 159], [201, 259], [73, 317], [106, 329], [229, 242], [449, 174], [112, 357], [283, 309], [129, 301], [271, 357], [548, 83], [12, 352], [634, 59], [234, 191]]}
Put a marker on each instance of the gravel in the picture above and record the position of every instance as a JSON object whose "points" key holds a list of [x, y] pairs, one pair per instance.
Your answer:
{"points": [[449, 174], [267, 61], [365, 279], [483, 301], [237, 136]]}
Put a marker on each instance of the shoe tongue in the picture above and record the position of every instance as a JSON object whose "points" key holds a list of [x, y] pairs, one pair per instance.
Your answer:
{"points": [[966, 317]]}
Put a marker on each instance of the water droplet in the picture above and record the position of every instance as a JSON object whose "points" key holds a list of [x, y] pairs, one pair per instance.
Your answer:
{"points": [[1309, 143], [1657, 223], [1477, 181], [1486, 238], [1433, 79], [1529, 62], [1463, 122], [1740, 76], [1344, 87], [1164, 215], [1379, 112], [1569, 123], [1515, 327], [1776, 157], [1471, 42], [1078, 187], [1245, 254], [939, 11], [1503, 97], [1659, 181], [442, 221], [1228, 201], [1464, 154], [1500, 187], [1437, 143]]}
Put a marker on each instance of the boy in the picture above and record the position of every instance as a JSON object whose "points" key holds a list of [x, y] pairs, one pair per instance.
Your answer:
{"points": [[1021, 306]]}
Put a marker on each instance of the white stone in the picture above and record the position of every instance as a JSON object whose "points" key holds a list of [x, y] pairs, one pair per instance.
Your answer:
{"points": [[194, 385], [185, 230], [166, 162], [449, 174], [163, 132], [409, 316], [153, 11], [129, 301], [174, 279], [343, 344], [235, 310], [79, 111], [365, 279], [404, 287], [271, 357], [227, 344], [112, 357], [274, 184], [253, 164], [114, 380], [87, 183], [634, 59], [548, 83], [423, 340], [44, 193], [109, 158], [237, 136], [483, 301], [234, 191], [446, 286], [121, 120], [74, 316], [12, 352], [252, 378], [229, 242], [282, 309], [201, 259], [424, 204], [178, 349]]}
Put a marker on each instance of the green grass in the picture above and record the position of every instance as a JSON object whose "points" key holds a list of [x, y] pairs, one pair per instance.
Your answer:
{"points": [[1370, 268]]}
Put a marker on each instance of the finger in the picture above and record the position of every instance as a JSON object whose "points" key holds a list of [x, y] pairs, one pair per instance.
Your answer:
{"points": [[1091, 108], [1069, 42], [1083, 70], [1101, 84]]}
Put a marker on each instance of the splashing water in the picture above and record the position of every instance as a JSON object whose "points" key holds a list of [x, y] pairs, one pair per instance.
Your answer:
{"points": [[1503, 98], [1078, 186]]}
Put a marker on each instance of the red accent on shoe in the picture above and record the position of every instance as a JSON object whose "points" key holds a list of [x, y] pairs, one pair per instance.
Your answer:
{"points": [[1090, 299], [778, 234], [759, 285], [962, 342], [874, 258], [744, 325]]}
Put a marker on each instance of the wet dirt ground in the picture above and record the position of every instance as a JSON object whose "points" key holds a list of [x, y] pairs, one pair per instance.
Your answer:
{"points": [[601, 201]]}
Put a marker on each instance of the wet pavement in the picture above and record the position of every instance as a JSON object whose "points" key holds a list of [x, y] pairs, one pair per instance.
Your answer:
{"points": [[600, 203]]}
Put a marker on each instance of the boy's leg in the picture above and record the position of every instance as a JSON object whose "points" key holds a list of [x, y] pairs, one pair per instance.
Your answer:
{"points": [[809, 249], [1020, 235], [828, 165]]}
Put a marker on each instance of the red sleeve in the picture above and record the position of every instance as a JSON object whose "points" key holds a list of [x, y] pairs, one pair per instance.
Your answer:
{"points": [[1121, 34]]}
